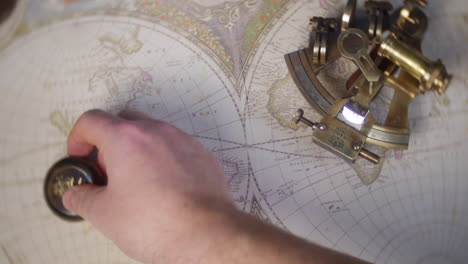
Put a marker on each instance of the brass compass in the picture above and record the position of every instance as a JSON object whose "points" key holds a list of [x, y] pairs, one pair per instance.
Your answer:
{"points": [[65, 174]]}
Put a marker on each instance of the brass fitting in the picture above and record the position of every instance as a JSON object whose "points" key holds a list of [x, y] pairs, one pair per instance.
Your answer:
{"points": [[369, 156], [431, 75]]}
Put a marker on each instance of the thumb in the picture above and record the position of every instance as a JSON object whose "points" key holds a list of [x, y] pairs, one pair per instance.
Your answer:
{"points": [[83, 200]]}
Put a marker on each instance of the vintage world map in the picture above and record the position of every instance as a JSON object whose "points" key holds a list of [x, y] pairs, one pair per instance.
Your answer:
{"points": [[215, 69]]}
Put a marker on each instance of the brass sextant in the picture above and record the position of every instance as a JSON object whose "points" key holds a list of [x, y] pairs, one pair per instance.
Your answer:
{"points": [[387, 53]]}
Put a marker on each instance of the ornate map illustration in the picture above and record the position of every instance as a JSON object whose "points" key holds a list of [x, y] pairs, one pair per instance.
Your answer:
{"points": [[215, 69]]}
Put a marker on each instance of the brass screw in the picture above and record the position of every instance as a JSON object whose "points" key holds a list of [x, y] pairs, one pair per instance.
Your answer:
{"points": [[299, 117]]}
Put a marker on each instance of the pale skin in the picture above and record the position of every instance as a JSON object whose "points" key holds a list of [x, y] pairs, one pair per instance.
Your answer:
{"points": [[166, 200]]}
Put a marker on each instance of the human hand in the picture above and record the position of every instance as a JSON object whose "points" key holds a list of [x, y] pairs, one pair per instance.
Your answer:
{"points": [[164, 191]]}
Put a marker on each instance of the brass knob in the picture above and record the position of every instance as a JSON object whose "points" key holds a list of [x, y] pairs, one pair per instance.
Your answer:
{"points": [[299, 117]]}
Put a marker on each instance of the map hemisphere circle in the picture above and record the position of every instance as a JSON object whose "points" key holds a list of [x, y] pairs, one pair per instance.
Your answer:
{"points": [[50, 78], [319, 197]]}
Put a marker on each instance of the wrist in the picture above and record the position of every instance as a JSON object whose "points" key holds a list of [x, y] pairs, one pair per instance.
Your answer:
{"points": [[221, 232], [203, 235]]}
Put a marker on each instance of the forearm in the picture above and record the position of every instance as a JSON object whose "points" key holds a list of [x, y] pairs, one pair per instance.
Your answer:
{"points": [[239, 238], [268, 244]]}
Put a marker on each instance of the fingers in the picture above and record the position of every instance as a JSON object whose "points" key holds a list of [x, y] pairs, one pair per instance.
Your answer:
{"points": [[93, 129], [84, 200], [133, 115]]}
